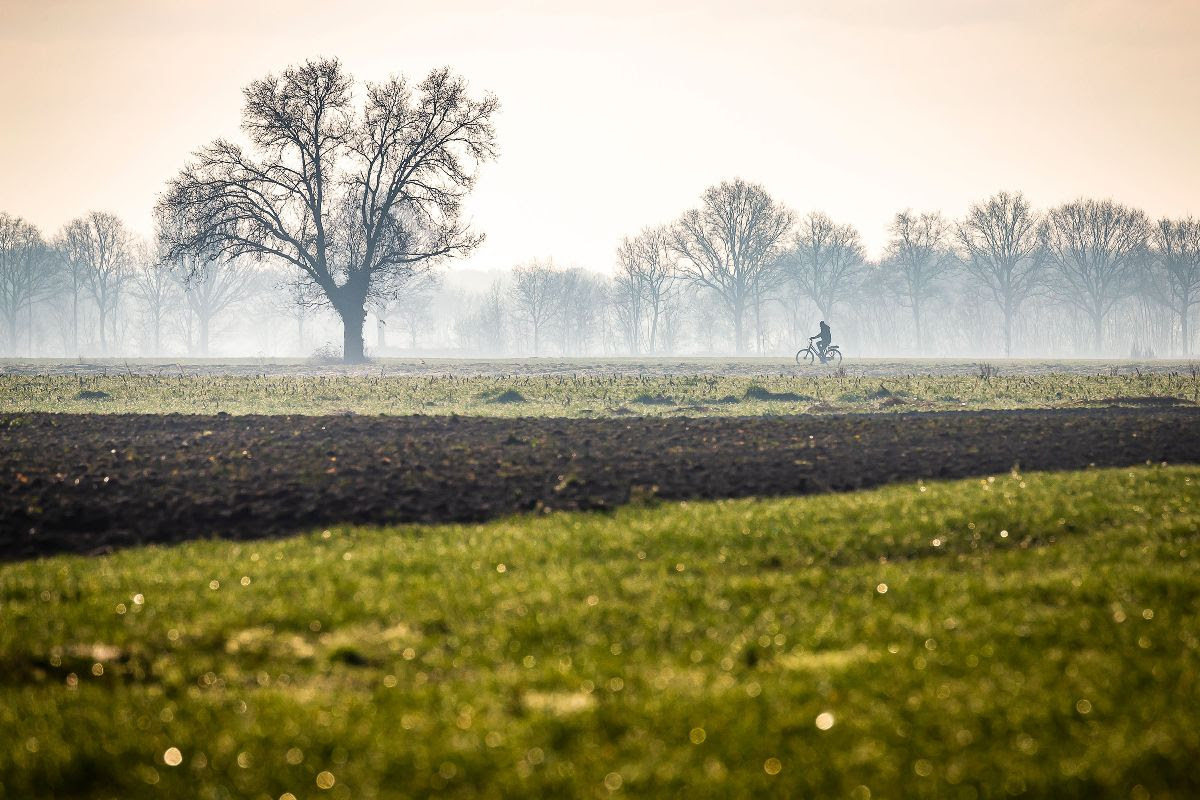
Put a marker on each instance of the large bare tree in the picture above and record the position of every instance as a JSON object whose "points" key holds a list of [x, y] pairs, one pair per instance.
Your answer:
{"points": [[1001, 250], [1097, 247], [730, 243], [646, 273], [98, 252], [825, 262], [356, 197], [25, 273], [919, 259], [1175, 269]]}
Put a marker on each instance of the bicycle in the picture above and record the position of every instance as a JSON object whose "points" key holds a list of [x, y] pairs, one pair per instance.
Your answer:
{"points": [[811, 355]]}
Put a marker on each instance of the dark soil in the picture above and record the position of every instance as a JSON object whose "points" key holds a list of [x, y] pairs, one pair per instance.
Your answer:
{"points": [[89, 484]]}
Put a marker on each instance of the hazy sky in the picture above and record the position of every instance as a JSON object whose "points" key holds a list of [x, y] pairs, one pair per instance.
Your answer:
{"points": [[615, 117]]}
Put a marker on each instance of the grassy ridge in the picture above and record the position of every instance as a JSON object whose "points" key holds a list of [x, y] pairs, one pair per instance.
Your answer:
{"points": [[578, 395], [1029, 634]]}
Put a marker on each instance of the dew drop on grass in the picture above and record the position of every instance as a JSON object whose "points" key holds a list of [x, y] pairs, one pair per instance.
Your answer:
{"points": [[697, 736], [772, 766], [882, 588], [172, 757], [824, 721], [325, 780]]}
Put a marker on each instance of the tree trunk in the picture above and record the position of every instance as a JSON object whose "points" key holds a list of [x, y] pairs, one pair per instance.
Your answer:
{"points": [[1097, 332], [758, 331], [917, 325], [103, 336], [13, 345], [1008, 320], [353, 348], [300, 333], [1183, 330], [203, 319], [75, 323], [738, 314]]}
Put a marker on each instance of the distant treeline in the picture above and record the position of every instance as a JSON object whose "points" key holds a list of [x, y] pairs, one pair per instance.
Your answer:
{"points": [[739, 273]]}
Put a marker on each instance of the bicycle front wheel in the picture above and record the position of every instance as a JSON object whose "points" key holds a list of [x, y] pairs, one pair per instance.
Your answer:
{"points": [[805, 357]]}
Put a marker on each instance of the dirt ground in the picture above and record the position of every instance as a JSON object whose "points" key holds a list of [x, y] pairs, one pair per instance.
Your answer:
{"points": [[90, 484]]}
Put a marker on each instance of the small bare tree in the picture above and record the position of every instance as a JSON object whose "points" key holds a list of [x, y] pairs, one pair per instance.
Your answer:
{"points": [[729, 244], [210, 289], [25, 273], [1097, 246], [646, 274], [156, 289], [357, 200], [919, 259], [578, 306], [626, 299], [410, 308], [483, 328], [1001, 250], [534, 294], [97, 248], [824, 262], [1175, 269]]}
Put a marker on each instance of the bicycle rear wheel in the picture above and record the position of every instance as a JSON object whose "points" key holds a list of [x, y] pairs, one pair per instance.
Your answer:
{"points": [[833, 356]]}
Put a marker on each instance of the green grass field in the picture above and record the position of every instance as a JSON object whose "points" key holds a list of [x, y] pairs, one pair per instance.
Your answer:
{"points": [[581, 394], [1034, 635]]}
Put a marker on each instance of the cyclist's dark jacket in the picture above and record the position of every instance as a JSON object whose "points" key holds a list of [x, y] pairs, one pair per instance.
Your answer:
{"points": [[825, 336]]}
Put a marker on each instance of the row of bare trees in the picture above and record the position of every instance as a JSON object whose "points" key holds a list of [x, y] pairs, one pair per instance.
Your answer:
{"points": [[94, 279], [748, 250]]}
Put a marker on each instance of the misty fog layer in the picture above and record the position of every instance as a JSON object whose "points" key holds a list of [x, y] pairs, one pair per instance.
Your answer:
{"points": [[1087, 278]]}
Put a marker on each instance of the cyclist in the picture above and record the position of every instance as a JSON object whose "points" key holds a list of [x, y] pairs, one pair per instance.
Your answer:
{"points": [[823, 339]]}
